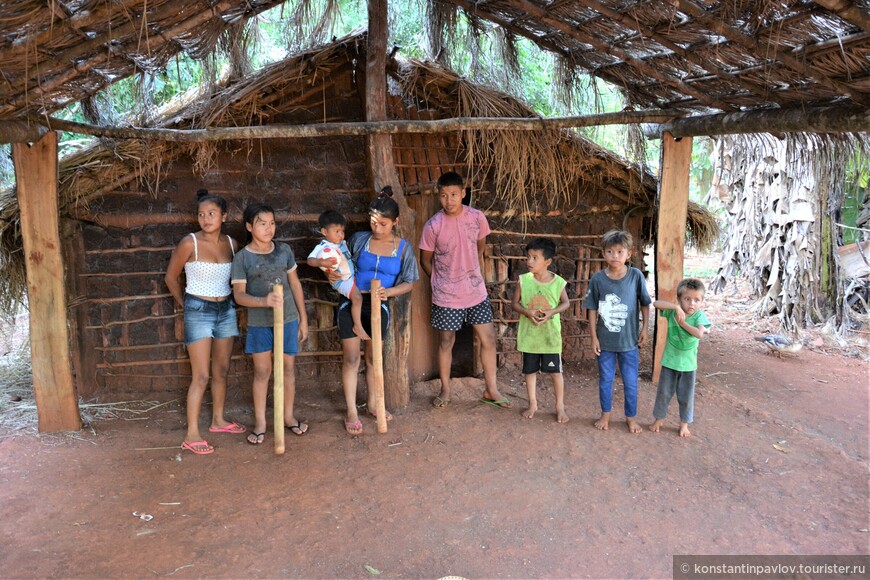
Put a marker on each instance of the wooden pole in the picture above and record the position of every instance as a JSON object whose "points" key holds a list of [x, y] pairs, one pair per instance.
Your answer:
{"points": [[36, 187], [278, 371], [671, 234], [378, 359], [382, 172]]}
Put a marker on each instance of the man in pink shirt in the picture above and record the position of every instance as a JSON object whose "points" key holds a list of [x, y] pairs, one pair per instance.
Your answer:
{"points": [[451, 255]]}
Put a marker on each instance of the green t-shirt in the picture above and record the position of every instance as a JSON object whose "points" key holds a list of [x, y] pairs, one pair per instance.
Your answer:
{"points": [[547, 338], [681, 349]]}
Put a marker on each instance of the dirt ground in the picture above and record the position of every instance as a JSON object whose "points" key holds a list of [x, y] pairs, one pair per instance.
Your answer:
{"points": [[778, 464]]}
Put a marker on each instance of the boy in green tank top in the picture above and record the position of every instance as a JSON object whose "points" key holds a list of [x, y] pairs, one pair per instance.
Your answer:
{"points": [[539, 298]]}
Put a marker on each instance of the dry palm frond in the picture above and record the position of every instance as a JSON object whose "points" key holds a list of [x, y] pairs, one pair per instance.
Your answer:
{"points": [[703, 228], [549, 167], [784, 195]]}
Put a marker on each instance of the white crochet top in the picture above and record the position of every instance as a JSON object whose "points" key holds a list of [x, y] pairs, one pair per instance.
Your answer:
{"points": [[208, 279]]}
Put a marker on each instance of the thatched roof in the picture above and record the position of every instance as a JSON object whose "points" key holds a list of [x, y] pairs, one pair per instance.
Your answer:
{"points": [[556, 165], [698, 56], [54, 53], [681, 55]]}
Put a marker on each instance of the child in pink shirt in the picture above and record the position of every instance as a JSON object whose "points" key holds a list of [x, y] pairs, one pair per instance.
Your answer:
{"points": [[451, 254]]}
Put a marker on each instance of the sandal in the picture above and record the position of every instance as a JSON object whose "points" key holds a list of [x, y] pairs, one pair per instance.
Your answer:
{"points": [[255, 438], [299, 429], [439, 403], [198, 447], [353, 427]]}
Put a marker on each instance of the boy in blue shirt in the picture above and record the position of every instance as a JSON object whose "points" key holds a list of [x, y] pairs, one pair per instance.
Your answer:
{"points": [[687, 324], [613, 300]]}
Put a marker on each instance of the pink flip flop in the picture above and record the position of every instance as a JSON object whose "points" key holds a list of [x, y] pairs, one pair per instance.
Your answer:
{"points": [[198, 447], [233, 428]]}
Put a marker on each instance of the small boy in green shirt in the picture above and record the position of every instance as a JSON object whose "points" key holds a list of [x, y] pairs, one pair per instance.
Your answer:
{"points": [[687, 324], [539, 298]]}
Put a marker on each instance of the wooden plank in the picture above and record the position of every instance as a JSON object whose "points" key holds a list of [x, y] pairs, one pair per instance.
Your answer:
{"points": [[855, 260], [671, 234], [36, 185]]}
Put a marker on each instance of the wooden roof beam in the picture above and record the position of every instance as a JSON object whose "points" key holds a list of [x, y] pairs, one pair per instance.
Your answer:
{"points": [[278, 131], [807, 50], [795, 120], [646, 69], [848, 12], [750, 43], [833, 44], [705, 64], [801, 14]]}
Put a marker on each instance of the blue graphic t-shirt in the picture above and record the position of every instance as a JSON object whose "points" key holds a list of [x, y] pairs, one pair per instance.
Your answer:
{"points": [[617, 302]]}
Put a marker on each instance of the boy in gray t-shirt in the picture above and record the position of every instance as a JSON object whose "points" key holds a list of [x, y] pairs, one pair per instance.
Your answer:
{"points": [[615, 295]]}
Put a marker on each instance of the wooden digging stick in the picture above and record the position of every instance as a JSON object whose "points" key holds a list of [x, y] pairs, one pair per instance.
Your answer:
{"points": [[378, 359], [278, 370]]}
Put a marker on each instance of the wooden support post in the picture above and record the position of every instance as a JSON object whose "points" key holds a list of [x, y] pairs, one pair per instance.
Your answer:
{"points": [[380, 409], [671, 235], [278, 371], [36, 186], [382, 172]]}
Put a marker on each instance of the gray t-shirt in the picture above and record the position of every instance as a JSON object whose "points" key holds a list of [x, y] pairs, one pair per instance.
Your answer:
{"points": [[261, 272], [617, 304]]}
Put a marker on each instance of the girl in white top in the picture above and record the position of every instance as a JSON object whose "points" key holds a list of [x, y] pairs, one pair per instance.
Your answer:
{"points": [[209, 315]]}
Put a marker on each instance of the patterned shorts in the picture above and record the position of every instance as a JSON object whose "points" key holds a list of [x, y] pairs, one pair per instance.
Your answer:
{"points": [[453, 319]]}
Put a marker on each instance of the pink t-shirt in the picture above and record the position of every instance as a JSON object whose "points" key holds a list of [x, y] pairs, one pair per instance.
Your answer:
{"points": [[456, 278]]}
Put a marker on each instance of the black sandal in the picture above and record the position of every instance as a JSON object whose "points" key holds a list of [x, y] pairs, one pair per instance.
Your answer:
{"points": [[258, 437], [297, 429]]}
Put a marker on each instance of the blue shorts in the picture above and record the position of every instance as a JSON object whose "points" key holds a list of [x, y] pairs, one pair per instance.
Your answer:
{"points": [[262, 339], [207, 319]]}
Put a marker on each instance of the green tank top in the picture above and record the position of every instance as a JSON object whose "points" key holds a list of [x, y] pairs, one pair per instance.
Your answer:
{"points": [[547, 338]]}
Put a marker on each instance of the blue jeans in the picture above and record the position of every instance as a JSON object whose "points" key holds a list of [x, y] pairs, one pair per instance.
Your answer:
{"points": [[628, 363]]}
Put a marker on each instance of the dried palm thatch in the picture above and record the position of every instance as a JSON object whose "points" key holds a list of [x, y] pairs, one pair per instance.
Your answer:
{"points": [[54, 54], [684, 54], [546, 166], [782, 197], [551, 168]]}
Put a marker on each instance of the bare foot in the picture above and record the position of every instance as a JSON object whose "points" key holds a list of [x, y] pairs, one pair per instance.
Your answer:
{"points": [[561, 417], [530, 412], [633, 425], [656, 426], [603, 423], [360, 332], [684, 430]]}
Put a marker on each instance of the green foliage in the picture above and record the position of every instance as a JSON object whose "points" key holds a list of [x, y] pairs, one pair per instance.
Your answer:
{"points": [[854, 196]]}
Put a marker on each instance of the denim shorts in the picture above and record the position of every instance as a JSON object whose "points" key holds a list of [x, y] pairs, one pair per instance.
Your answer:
{"points": [[262, 339], [207, 319]]}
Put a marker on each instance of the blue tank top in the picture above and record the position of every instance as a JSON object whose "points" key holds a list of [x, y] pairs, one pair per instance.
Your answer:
{"points": [[384, 268]]}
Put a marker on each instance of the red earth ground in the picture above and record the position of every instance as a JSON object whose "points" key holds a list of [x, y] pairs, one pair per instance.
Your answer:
{"points": [[778, 464]]}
